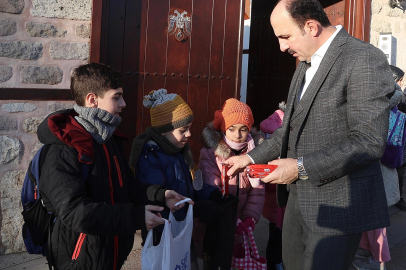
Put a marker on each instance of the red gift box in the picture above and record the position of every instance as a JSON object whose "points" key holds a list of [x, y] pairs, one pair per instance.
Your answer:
{"points": [[260, 170]]}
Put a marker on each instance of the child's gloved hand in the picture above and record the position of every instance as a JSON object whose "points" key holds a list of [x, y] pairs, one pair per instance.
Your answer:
{"points": [[249, 222], [241, 228]]}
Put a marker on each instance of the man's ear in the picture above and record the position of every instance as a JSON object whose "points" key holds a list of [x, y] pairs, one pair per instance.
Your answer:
{"points": [[313, 27], [91, 100]]}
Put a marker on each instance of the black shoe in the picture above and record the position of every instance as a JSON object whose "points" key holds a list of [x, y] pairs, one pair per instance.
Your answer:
{"points": [[401, 204]]}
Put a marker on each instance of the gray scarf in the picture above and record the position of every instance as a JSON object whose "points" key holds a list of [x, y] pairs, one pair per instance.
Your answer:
{"points": [[99, 123]]}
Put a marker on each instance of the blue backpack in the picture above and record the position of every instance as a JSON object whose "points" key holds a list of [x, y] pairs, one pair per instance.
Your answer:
{"points": [[38, 221], [394, 150]]}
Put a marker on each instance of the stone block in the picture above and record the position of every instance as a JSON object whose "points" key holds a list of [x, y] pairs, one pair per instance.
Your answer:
{"points": [[63, 9], [83, 30], [10, 150], [69, 51], [18, 107], [7, 27], [397, 27], [8, 123], [21, 50], [6, 72], [11, 185], [376, 7], [31, 124], [381, 26], [40, 75], [44, 30], [57, 106], [12, 6], [393, 12]]}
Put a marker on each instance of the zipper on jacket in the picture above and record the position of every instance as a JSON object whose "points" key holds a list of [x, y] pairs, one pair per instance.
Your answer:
{"points": [[115, 251], [109, 166], [79, 243], [112, 198], [118, 171]]}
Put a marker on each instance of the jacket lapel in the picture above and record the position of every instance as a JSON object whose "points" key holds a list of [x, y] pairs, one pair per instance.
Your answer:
{"points": [[297, 80], [326, 64]]}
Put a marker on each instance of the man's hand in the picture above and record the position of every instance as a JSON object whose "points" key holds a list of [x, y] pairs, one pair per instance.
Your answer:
{"points": [[172, 197], [238, 163], [285, 173], [151, 219]]}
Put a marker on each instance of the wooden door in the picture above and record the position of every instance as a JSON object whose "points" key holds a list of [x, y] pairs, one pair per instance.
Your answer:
{"points": [[202, 65], [270, 70]]}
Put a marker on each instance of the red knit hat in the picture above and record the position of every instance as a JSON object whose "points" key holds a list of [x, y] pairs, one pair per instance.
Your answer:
{"points": [[233, 112]]}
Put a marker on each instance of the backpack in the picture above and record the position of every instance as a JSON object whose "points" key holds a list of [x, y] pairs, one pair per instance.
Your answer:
{"points": [[38, 221], [394, 150]]}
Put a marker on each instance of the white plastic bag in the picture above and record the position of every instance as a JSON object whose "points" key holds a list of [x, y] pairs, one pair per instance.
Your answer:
{"points": [[173, 252]]}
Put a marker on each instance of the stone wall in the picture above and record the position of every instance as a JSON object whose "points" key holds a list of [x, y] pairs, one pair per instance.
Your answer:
{"points": [[384, 19], [41, 41]]}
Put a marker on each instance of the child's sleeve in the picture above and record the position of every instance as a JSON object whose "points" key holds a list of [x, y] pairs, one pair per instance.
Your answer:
{"points": [[207, 164], [150, 171], [255, 202]]}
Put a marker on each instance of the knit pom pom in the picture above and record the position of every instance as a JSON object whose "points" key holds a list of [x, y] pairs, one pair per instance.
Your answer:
{"points": [[157, 97]]}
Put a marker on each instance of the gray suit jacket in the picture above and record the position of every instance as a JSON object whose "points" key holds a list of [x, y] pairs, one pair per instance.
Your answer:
{"points": [[339, 127]]}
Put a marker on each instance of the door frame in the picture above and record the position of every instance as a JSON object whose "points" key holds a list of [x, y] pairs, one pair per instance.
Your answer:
{"points": [[357, 19]]}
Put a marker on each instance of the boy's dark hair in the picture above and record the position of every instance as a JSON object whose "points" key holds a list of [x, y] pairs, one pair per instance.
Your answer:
{"points": [[303, 10], [93, 78]]}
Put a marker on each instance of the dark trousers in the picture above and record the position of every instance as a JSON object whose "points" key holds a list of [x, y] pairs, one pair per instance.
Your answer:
{"points": [[303, 249], [274, 247]]}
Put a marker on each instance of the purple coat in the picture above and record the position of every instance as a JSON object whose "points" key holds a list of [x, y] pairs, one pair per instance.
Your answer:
{"points": [[216, 151]]}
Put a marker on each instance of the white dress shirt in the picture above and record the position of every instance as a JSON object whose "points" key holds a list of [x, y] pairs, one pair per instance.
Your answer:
{"points": [[315, 63], [316, 60]]}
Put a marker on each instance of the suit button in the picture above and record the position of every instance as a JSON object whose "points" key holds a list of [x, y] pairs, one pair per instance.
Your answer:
{"points": [[291, 128], [288, 148]]}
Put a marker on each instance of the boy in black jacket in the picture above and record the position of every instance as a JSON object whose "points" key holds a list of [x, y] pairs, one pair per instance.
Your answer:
{"points": [[96, 216]]}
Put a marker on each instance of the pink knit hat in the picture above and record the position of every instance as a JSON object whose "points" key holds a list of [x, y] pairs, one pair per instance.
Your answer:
{"points": [[273, 122], [233, 112]]}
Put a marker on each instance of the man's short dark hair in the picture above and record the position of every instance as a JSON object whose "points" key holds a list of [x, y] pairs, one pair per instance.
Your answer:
{"points": [[93, 78], [303, 10]]}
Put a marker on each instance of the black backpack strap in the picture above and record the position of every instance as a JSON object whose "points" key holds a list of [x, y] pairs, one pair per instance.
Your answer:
{"points": [[42, 156], [49, 246]]}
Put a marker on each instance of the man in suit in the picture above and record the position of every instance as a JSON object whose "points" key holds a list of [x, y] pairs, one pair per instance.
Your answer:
{"points": [[332, 138]]}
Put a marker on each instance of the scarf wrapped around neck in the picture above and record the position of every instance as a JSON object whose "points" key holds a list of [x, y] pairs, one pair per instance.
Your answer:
{"points": [[249, 143], [99, 123], [164, 144]]}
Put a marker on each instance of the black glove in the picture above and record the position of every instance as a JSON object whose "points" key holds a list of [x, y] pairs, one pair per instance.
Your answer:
{"points": [[207, 211], [216, 196]]}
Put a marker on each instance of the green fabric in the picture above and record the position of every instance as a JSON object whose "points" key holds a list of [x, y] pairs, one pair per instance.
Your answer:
{"points": [[164, 144]]}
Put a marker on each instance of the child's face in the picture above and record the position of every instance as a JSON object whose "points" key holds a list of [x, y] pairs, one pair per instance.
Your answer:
{"points": [[237, 133], [178, 137], [112, 101]]}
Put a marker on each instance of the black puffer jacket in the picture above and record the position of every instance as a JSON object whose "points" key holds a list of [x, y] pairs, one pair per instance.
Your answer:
{"points": [[96, 217]]}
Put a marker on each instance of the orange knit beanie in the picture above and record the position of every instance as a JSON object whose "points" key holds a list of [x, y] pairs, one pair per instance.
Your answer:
{"points": [[168, 111], [233, 112]]}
